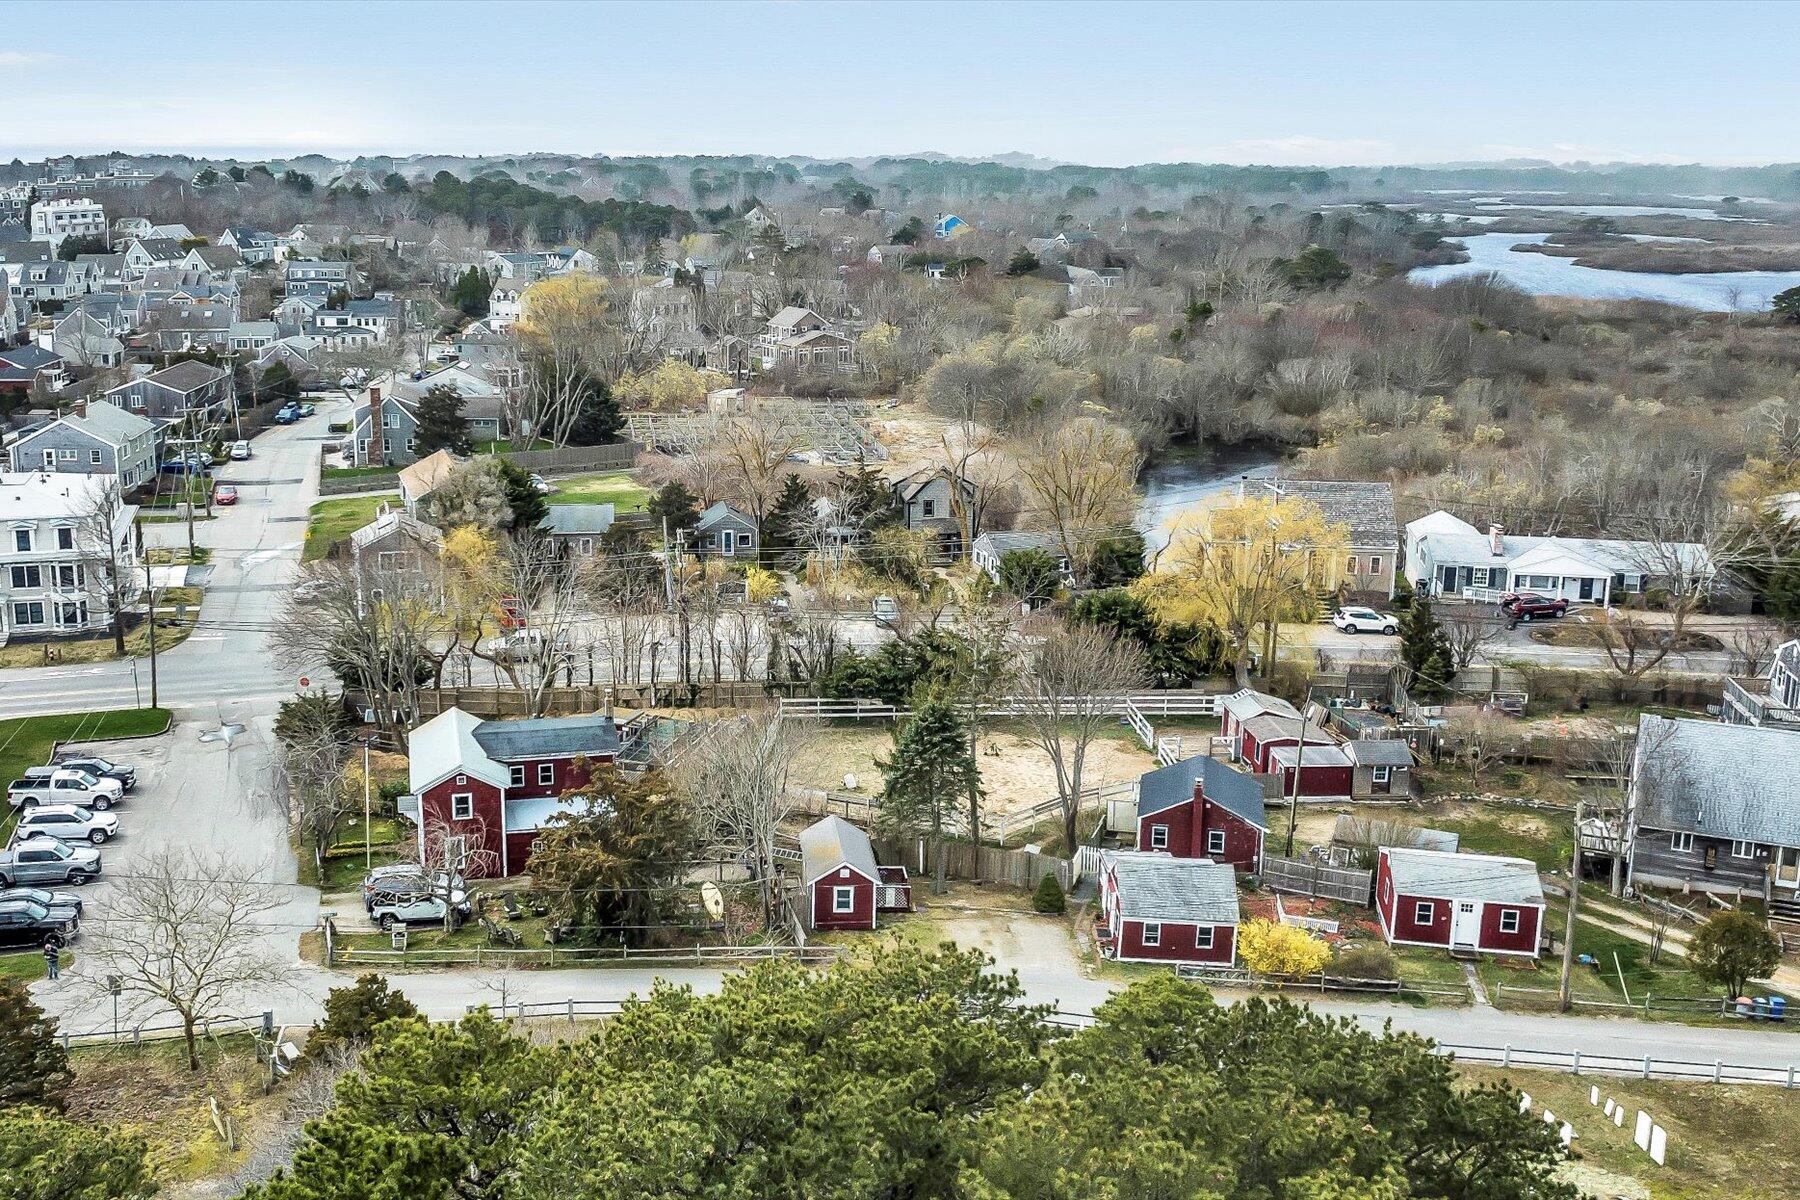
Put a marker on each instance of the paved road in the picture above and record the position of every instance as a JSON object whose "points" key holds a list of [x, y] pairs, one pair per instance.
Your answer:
{"points": [[256, 552], [1511, 644]]}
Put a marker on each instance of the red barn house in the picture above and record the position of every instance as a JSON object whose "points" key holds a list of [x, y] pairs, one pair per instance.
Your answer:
{"points": [[1261, 736], [1160, 909], [1478, 903], [845, 887], [483, 790], [1326, 772], [1201, 808], [1244, 704]]}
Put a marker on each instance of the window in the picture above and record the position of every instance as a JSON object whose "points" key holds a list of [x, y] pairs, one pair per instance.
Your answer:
{"points": [[66, 455], [30, 576], [546, 773], [462, 806], [1509, 920], [1159, 837], [29, 614], [1152, 933], [65, 538], [537, 844], [928, 508], [95, 458], [462, 779], [518, 775], [843, 899], [1350, 564], [390, 420], [1203, 938], [1683, 842], [1743, 849], [1424, 911], [1382, 774], [22, 539], [1374, 564], [1215, 841]]}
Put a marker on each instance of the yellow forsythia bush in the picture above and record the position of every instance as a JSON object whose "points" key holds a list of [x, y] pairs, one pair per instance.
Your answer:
{"points": [[1269, 948]]}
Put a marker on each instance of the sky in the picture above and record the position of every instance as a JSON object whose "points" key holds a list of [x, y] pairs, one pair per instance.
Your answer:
{"points": [[1105, 84]]}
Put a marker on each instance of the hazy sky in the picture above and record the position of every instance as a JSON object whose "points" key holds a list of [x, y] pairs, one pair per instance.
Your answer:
{"points": [[1096, 83]]}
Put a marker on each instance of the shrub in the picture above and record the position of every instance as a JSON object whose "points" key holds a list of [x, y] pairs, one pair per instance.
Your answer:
{"points": [[1049, 896], [1271, 949], [1366, 962], [352, 1014]]}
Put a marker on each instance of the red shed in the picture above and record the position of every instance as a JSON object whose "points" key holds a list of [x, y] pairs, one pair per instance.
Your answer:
{"points": [[1155, 908], [1473, 902], [1244, 704], [1261, 735], [845, 887], [1326, 772], [1201, 808]]}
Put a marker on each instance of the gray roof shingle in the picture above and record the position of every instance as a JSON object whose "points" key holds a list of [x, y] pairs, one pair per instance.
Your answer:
{"points": [[1156, 887], [548, 737], [1367, 509], [1168, 786], [1717, 780], [1435, 873], [831, 842]]}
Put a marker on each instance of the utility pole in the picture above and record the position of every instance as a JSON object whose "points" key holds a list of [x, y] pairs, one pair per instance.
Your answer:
{"points": [[1568, 954], [1294, 799], [368, 852], [151, 588]]}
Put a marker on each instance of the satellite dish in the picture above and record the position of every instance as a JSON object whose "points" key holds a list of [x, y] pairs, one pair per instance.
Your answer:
{"points": [[714, 899]]}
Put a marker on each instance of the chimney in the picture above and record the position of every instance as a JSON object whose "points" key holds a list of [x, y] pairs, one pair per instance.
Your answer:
{"points": [[1496, 541], [374, 393]]}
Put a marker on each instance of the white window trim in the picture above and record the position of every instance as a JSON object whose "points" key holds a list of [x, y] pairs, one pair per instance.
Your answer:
{"points": [[1381, 774], [1424, 912], [546, 774], [518, 775], [843, 900], [1681, 842], [1743, 850], [1509, 920], [462, 806], [1159, 837], [461, 779], [1152, 933], [1215, 841], [1203, 938]]}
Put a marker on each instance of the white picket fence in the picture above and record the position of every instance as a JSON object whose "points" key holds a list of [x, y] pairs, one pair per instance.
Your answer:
{"points": [[1141, 705]]}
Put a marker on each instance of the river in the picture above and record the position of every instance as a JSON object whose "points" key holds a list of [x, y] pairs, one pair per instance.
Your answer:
{"points": [[1553, 275], [1176, 479]]}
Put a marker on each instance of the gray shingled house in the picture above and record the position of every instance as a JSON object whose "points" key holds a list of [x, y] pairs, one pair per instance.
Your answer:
{"points": [[1367, 510], [106, 440]]}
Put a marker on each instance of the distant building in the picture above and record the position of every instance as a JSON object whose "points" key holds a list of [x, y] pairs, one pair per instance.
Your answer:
{"points": [[54, 220], [103, 440], [51, 550]]}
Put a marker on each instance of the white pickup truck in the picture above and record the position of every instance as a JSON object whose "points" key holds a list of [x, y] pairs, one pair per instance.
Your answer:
{"points": [[61, 785]]}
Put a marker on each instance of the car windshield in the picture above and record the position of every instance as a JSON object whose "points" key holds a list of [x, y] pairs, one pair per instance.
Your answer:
{"points": [[85, 779], [56, 849], [29, 908]]}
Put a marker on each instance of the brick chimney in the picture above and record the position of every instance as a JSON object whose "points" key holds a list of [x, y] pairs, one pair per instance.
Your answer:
{"points": [[1497, 541], [374, 393]]}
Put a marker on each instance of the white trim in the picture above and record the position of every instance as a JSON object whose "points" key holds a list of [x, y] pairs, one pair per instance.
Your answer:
{"points": [[1218, 834], [1743, 850], [840, 865], [463, 798], [1211, 937], [1164, 831], [1429, 908], [1681, 843], [543, 767], [1144, 928], [517, 771], [1518, 919]]}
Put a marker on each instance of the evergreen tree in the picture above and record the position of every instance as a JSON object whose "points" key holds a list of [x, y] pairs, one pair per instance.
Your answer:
{"points": [[528, 507], [469, 294], [441, 424], [1732, 949], [1030, 574], [44, 1157], [353, 1013], [33, 1067], [277, 384], [1116, 561], [614, 864], [674, 506], [1049, 897], [866, 495], [781, 531], [1023, 262], [598, 421], [929, 773], [1425, 653]]}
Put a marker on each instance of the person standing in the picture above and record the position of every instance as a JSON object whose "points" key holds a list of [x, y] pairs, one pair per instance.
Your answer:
{"points": [[53, 956]]}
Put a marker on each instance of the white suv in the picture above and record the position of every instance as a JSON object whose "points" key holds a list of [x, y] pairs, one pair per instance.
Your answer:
{"points": [[1365, 620], [67, 823]]}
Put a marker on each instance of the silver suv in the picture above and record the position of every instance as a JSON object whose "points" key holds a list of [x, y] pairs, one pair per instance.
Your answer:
{"points": [[43, 860], [67, 822], [413, 898]]}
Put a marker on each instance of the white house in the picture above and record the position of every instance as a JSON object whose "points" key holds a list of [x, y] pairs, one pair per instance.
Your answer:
{"points": [[54, 220], [51, 558], [506, 303], [1447, 556]]}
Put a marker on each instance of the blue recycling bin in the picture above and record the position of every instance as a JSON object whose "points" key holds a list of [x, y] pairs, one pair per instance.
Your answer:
{"points": [[1777, 1008]]}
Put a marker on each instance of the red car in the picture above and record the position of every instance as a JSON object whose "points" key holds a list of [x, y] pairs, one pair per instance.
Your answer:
{"points": [[1527, 605], [224, 494]]}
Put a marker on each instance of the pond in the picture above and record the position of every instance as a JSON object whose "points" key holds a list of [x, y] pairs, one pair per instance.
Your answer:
{"points": [[1175, 480], [1552, 275]]}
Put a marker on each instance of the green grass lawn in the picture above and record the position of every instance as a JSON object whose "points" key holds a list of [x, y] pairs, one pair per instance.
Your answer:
{"points": [[27, 966], [334, 520], [616, 488], [27, 741]]}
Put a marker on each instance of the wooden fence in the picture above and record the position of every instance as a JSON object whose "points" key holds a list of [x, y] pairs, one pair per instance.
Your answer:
{"points": [[1304, 878], [519, 702], [963, 860]]}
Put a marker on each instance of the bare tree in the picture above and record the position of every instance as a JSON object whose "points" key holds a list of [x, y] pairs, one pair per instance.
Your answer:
{"points": [[736, 773], [1753, 647], [308, 1095], [1069, 690], [1482, 742], [1633, 647], [753, 451], [1469, 629], [186, 932], [1081, 476], [108, 573], [551, 601], [307, 776]]}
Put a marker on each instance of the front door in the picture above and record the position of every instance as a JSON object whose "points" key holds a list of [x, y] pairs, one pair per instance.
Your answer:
{"points": [[1465, 925], [727, 542], [1587, 589], [1787, 867], [1448, 585]]}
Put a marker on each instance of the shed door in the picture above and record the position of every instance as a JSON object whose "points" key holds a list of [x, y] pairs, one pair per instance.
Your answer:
{"points": [[1787, 867], [728, 541], [1465, 925]]}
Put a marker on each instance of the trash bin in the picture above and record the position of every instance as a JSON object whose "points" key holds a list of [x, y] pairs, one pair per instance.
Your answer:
{"points": [[1777, 1008], [1743, 1006], [1760, 1008]]}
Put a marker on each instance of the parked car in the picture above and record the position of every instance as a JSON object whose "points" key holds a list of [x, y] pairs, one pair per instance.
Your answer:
{"points": [[42, 860], [191, 464], [540, 485], [311, 589], [885, 609], [373, 881], [45, 897], [240, 450], [1365, 620], [407, 901], [306, 410], [25, 922], [101, 768], [1526, 605], [287, 414], [528, 645], [60, 785], [224, 494], [67, 823]]}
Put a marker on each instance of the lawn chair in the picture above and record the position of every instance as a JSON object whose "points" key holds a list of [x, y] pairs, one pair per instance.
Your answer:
{"points": [[513, 911], [500, 935]]}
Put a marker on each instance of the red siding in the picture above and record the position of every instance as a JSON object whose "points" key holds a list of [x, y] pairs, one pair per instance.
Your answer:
{"points": [[518, 852], [1180, 820], [566, 776], [1404, 927], [483, 829], [1176, 943], [1243, 841], [860, 917], [1318, 781], [1399, 911], [1524, 941]]}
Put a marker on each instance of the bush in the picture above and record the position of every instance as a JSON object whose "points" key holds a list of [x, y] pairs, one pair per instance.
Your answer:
{"points": [[1366, 962], [352, 1014], [1049, 896], [1271, 949]]}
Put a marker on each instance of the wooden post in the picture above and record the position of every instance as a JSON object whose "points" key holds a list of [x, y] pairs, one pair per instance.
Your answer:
{"points": [[1568, 954]]}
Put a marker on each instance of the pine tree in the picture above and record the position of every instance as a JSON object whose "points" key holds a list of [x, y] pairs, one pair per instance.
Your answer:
{"points": [[1425, 653], [441, 425], [928, 775], [867, 497], [598, 421], [782, 529], [674, 506], [33, 1067], [469, 295], [1049, 897]]}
